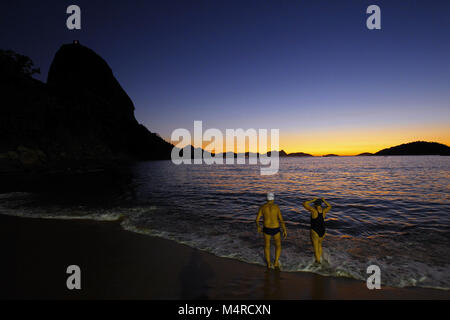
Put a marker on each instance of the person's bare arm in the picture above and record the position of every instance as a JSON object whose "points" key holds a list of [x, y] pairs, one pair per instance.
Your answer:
{"points": [[328, 208], [258, 217], [283, 226], [307, 206]]}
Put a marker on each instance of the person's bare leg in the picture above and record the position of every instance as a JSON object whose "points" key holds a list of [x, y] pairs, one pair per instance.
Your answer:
{"points": [[320, 247], [267, 250], [315, 243], [277, 239]]}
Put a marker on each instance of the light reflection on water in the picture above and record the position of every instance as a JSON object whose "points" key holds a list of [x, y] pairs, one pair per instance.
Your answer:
{"points": [[369, 195]]}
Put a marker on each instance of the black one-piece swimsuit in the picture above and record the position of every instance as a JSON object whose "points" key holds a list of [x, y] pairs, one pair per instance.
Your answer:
{"points": [[318, 224]]}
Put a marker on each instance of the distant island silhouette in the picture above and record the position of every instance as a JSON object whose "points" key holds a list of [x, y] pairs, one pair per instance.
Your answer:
{"points": [[82, 117], [330, 155], [412, 148], [417, 148], [299, 154]]}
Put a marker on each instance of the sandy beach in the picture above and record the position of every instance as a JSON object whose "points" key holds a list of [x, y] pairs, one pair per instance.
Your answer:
{"points": [[118, 264]]}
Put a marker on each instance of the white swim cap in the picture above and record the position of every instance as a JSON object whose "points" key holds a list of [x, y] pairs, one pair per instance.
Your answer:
{"points": [[270, 196]]}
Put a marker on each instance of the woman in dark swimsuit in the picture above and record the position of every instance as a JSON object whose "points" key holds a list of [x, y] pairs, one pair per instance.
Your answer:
{"points": [[317, 223]]}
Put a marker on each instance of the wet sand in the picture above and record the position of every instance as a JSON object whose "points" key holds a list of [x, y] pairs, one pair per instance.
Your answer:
{"points": [[118, 264]]}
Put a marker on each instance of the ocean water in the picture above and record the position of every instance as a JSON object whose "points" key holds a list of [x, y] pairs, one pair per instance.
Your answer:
{"points": [[393, 212]]}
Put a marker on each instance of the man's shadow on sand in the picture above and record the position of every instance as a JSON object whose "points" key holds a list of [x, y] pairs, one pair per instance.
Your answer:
{"points": [[194, 278]]}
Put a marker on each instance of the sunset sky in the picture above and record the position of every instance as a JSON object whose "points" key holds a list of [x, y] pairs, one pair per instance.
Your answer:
{"points": [[309, 68]]}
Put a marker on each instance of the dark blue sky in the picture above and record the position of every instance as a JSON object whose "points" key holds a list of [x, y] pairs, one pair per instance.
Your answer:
{"points": [[305, 67]]}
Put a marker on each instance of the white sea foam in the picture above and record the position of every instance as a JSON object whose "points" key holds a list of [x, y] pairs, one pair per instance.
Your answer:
{"points": [[336, 263]]}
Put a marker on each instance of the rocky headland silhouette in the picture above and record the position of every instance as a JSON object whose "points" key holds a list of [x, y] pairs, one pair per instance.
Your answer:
{"points": [[80, 117]]}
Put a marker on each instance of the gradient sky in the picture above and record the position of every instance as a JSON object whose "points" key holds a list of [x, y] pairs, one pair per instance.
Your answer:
{"points": [[309, 68]]}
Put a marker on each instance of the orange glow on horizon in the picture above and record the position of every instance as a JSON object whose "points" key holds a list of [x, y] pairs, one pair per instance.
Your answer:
{"points": [[353, 141]]}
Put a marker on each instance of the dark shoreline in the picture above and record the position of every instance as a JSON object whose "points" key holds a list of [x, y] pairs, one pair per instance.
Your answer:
{"points": [[119, 264]]}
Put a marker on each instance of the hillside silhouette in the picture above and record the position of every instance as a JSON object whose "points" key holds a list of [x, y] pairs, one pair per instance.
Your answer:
{"points": [[416, 148], [81, 115]]}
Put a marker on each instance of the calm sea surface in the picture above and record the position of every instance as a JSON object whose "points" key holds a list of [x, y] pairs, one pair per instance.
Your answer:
{"points": [[390, 211]]}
